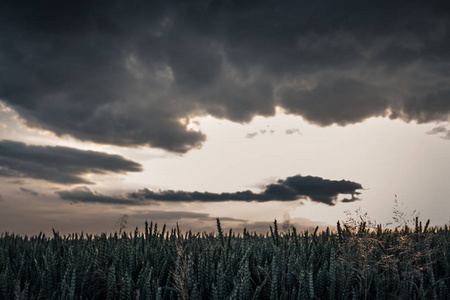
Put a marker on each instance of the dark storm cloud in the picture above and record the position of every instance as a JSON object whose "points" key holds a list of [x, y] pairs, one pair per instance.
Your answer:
{"points": [[131, 72], [84, 194], [29, 191], [290, 189], [58, 164], [336, 100]]}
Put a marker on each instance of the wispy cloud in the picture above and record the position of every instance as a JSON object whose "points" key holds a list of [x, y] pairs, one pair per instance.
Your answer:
{"points": [[441, 129], [177, 215], [292, 131], [251, 135], [29, 191], [438, 129], [17, 181], [447, 135]]}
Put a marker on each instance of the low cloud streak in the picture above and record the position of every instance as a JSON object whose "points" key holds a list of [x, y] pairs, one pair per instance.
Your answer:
{"points": [[58, 164], [29, 191], [292, 188], [86, 195]]}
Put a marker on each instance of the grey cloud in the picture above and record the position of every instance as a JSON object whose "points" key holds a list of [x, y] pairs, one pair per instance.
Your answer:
{"points": [[447, 135], [230, 219], [290, 189], [161, 214], [251, 135], [175, 215], [18, 181], [292, 131], [439, 129], [58, 164], [29, 191], [85, 195], [127, 72]]}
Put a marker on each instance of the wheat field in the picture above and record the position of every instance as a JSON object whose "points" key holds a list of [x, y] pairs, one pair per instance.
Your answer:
{"points": [[353, 262]]}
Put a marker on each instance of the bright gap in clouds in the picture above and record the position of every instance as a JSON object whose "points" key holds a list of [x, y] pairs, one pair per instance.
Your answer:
{"points": [[387, 157]]}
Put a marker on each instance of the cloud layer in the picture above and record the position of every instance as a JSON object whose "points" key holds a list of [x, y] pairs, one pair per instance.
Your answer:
{"points": [[292, 188], [133, 72], [58, 164]]}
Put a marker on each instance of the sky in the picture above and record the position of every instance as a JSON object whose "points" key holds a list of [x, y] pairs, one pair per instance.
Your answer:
{"points": [[248, 111]]}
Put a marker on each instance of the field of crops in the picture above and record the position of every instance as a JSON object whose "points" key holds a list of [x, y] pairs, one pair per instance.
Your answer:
{"points": [[353, 262]]}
